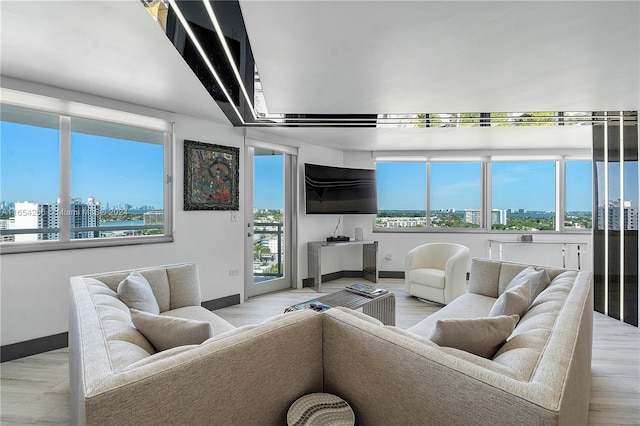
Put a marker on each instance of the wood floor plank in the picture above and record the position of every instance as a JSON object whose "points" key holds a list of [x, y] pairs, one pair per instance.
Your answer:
{"points": [[35, 390]]}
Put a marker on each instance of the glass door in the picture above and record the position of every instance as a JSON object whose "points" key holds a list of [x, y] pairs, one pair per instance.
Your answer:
{"points": [[269, 244]]}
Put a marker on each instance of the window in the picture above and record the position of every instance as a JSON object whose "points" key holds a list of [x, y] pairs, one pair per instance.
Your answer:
{"points": [[78, 181], [30, 167], [402, 195], [455, 195], [523, 195], [578, 199]]}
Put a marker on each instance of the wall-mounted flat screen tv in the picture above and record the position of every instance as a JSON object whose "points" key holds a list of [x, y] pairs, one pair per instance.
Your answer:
{"points": [[340, 190]]}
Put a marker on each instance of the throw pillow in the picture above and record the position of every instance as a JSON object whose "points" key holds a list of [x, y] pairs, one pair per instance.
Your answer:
{"points": [[538, 280], [135, 292], [165, 332], [479, 336], [514, 301]]}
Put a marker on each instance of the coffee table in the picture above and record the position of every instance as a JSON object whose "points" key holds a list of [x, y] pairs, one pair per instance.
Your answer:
{"points": [[381, 307]]}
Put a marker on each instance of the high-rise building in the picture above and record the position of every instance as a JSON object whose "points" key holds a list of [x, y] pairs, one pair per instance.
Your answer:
{"points": [[153, 217], [619, 214], [7, 224], [30, 215]]}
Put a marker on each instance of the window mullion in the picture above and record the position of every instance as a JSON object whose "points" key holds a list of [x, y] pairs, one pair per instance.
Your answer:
{"points": [[64, 204], [428, 206], [560, 194]]}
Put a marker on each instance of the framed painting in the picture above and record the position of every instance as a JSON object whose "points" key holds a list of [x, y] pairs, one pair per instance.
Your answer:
{"points": [[210, 176]]}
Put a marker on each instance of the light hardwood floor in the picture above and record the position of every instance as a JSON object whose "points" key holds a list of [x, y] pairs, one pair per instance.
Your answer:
{"points": [[35, 390]]}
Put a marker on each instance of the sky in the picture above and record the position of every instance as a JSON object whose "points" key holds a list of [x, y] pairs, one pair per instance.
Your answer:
{"points": [[268, 181], [29, 162], [99, 170], [515, 185]]}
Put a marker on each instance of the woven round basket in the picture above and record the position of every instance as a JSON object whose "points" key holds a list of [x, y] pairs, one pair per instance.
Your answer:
{"points": [[320, 409]]}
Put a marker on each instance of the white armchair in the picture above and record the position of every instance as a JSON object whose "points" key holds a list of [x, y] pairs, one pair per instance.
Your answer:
{"points": [[436, 271]]}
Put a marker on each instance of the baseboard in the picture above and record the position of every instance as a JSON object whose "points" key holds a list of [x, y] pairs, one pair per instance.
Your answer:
{"points": [[59, 341], [391, 274], [34, 346], [359, 274], [221, 302]]}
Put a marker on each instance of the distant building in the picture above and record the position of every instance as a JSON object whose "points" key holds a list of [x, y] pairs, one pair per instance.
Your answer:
{"points": [[7, 224], [474, 216], [153, 218], [619, 217], [30, 215], [85, 216]]}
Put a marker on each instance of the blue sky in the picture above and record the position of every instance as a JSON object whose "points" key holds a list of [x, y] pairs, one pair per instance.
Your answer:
{"points": [[98, 168], [268, 181], [515, 185]]}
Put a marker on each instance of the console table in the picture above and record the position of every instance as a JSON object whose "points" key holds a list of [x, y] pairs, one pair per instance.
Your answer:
{"points": [[369, 259], [562, 245]]}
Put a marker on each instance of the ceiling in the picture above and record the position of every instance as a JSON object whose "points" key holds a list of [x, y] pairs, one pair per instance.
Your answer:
{"points": [[348, 57]]}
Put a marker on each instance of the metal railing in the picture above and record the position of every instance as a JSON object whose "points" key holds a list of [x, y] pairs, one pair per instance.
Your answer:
{"points": [[279, 235]]}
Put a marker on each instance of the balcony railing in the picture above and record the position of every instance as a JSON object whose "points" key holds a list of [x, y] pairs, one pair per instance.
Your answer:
{"points": [[262, 231]]}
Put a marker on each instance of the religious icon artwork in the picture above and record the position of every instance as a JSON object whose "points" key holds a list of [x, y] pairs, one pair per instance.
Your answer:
{"points": [[210, 176]]}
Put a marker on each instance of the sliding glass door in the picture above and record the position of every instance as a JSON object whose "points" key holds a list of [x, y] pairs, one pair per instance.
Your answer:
{"points": [[270, 243]]}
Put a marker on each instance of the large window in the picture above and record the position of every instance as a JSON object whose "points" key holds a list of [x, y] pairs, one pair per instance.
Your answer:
{"points": [[524, 195], [578, 195], [402, 195], [455, 195], [77, 181]]}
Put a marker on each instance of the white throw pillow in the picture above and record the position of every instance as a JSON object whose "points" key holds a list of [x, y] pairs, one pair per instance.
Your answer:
{"points": [[479, 336], [538, 280], [165, 332], [136, 293], [514, 301]]}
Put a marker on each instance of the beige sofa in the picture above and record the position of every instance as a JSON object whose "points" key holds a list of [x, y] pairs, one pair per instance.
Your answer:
{"points": [[252, 374], [541, 376], [246, 376]]}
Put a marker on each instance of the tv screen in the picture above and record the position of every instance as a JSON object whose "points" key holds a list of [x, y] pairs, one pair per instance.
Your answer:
{"points": [[340, 190]]}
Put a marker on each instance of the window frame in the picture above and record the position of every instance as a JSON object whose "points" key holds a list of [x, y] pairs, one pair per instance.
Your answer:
{"points": [[486, 191], [66, 110]]}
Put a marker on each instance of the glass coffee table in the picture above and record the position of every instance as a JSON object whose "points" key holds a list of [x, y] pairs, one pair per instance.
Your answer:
{"points": [[382, 307]]}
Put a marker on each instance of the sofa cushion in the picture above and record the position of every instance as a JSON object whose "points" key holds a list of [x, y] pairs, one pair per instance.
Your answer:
{"points": [[136, 293], [483, 277], [538, 280], [165, 332], [198, 313], [514, 301], [468, 305], [480, 336]]}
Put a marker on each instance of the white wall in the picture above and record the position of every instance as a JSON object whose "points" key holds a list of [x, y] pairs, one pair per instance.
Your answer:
{"points": [[35, 286], [315, 227]]}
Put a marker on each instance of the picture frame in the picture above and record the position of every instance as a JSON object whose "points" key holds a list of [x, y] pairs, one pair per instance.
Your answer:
{"points": [[211, 176]]}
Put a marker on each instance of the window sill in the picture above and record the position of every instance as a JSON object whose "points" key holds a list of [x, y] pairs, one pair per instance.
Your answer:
{"points": [[16, 248]]}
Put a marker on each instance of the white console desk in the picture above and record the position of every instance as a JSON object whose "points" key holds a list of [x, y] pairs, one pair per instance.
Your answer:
{"points": [[501, 247], [369, 259]]}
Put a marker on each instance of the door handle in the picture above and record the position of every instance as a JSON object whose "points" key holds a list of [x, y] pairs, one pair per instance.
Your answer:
{"points": [[249, 234]]}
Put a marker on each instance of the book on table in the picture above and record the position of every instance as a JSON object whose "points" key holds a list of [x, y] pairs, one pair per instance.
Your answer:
{"points": [[311, 304], [365, 290]]}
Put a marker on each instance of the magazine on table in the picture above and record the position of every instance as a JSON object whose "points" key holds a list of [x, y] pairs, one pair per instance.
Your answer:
{"points": [[365, 290], [311, 304]]}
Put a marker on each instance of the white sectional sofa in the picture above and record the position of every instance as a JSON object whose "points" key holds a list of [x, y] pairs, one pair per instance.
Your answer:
{"points": [[240, 376], [252, 374]]}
